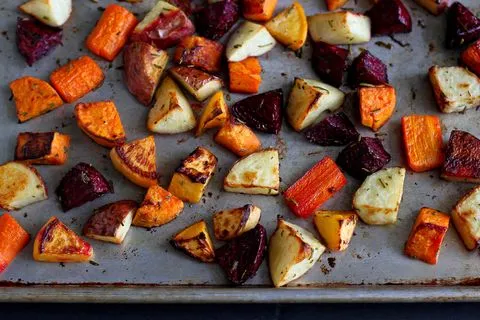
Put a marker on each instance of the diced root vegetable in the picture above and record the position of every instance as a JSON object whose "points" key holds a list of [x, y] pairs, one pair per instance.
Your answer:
{"points": [[389, 17], [42, 148], [334, 130], [462, 158], [217, 18], [376, 105], [367, 69], [237, 138], [466, 217], [471, 57], [463, 26], [329, 62], [13, 238], [245, 76], [258, 10], [249, 40], [199, 52]]}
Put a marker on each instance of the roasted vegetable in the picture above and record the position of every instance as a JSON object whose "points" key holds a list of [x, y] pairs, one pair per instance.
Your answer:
{"points": [[111, 222], [245, 76], [258, 10], [172, 112], [335, 228], [101, 122], [199, 52], [42, 148], [50, 12], [292, 251], [241, 257], [436, 7], [456, 89], [228, 224], [20, 186], [33, 97], [257, 173], [471, 57], [333, 5], [314, 188], [329, 62], [36, 40], [55, 242], [367, 69], [389, 17], [164, 26], [342, 27], [465, 217], [377, 201], [463, 26], [143, 67], [462, 158], [77, 78], [199, 84], [111, 32], [192, 176], [195, 241], [289, 27], [217, 18], [309, 99], [137, 161], [423, 142], [158, 208], [334, 130], [363, 157], [237, 138], [13, 238], [83, 183], [249, 40], [214, 114], [376, 104], [262, 112], [425, 240]]}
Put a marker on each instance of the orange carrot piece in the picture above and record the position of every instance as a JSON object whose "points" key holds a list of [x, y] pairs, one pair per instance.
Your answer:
{"points": [[471, 57], [111, 32], [316, 186], [245, 75], [238, 138], [13, 238], [33, 97], [376, 105], [425, 240], [258, 10], [422, 139], [77, 78]]}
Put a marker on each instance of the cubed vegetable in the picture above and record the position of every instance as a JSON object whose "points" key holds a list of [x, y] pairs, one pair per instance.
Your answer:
{"points": [[329, 62], [249, 40], [367, 69], [42, 148], [238, 138], [245, 76], [334, 130], [50, 12], [258, 10], [335, 228], [229, 224], [389, 17], [333, 5], [471, 57], [376, 104], [199, 84], [463, 26], [217, 18], [13, 238], [466, 218], [195, 241], [436, 7], [199, 52], [215, 114], [462, 158]]}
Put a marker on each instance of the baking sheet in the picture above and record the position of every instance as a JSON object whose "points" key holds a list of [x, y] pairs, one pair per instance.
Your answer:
{"points": [[146, 261]]}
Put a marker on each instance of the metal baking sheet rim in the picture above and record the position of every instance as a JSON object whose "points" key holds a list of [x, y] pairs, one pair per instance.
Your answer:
{"points": [[132, 294]]}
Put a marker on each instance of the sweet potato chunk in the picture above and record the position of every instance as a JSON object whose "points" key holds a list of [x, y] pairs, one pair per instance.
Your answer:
{"points": [[215, 114], [13, 238], [245, 76], [199, 52], [377, 105], [258, 10], [42, 148], [462, 158], [422, 139], [425, 240], [33, 97], [101, 122], [77, 78], [238, 138], [471, 57]]}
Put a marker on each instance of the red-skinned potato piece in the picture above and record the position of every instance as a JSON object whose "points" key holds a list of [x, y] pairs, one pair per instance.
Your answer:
{"points": [[471, 57], [217, 18], [199, 52], [262, 112], [462, 158], [329, 62], [334, 130], [389, 17], [366, 68], [364, 157], [463, 27]]}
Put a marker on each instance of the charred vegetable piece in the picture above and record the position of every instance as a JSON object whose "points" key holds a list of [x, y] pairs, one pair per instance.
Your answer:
{"points": [[83, 183], [35, 40], [42, 148], [334, 130], [199, 52], [262, 111], [465, 216], [462, 159], [217, 18], [329, 62], [364, 157], [242, 256], [389, 17], [463, 27], [366, 68], [228, 224], [195, 241]]}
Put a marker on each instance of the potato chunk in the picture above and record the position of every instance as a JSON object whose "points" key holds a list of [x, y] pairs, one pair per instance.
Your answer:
{"points": [[195, 241], [466, 218], [228, 224]]}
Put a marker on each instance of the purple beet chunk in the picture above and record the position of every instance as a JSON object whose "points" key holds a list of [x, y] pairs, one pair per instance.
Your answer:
{"points": [[389, 17], [216, 19], [262, 111], [366, 68], [334, 130], [35, 40], [463, 27], [242, 256], [329, 62], [83, 183], [363, 157]]}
